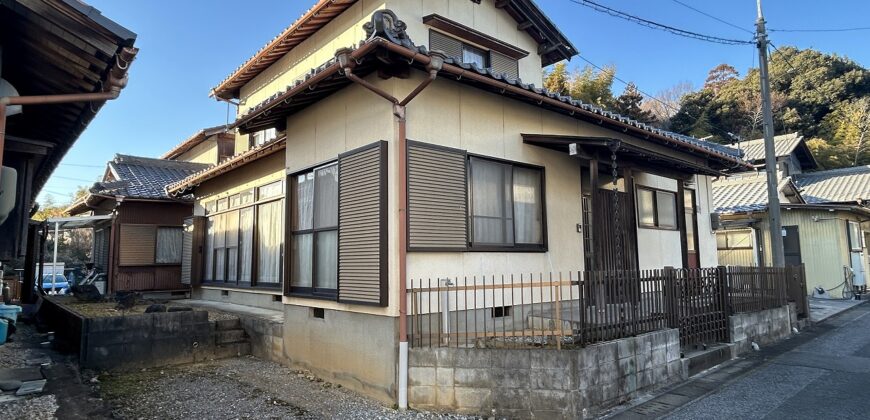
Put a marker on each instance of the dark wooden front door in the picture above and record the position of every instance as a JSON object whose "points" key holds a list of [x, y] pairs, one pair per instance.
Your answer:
{"points": [[615, 234], [791, 244]]}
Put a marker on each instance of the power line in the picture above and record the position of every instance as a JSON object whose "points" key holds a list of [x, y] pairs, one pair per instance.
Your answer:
{"points": [[714, 17], [80, 165], [784, 57], [861, 28], [655, 25], [669, 106], [73, 179]]}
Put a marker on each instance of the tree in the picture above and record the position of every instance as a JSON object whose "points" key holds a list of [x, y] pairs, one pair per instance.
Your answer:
{"points": [[556, 80], [593, 87], [720, 76], [629, 104], [666, 103], [847, 131]]}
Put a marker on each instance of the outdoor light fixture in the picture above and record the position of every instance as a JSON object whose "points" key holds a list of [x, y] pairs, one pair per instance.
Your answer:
{"points": [[7, 90]]}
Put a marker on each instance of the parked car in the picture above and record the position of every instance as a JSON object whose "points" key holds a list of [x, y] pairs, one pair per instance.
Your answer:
{"points": [[61, 284]]}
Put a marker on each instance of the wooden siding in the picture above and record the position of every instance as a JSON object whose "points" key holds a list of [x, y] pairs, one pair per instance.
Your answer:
{"points": [[149, 278], [165, 213], [137, 244], [437, 198], [362, 241]]}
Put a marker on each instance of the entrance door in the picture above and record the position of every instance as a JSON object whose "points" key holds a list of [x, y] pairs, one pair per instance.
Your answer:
{"points": [[691, 216], [856, 253], [791, 244]]}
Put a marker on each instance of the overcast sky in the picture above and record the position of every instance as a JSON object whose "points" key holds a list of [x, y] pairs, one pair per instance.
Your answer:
{"points": [[188, 46]]}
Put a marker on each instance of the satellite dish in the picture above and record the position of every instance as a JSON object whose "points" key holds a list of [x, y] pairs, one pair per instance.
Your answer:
{"points": [[6, 89]]}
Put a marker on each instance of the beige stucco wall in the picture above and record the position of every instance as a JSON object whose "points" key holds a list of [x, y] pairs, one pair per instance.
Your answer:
{"points": [[254, 174], [204, 152], [483, 17]]}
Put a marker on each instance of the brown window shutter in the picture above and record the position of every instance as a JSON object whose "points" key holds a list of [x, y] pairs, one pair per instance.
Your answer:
{"points": [[451, 47], [362, 226], [437, 198], [137, 244], [193, 237], [503, 64]]}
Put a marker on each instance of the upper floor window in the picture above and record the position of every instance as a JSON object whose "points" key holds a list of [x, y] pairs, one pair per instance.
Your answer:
{"points": [[506, 208], [472, 54], [264, 136], [656, 208]]}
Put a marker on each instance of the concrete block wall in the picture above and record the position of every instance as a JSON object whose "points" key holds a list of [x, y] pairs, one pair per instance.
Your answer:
{"points": [[266, 336], [763, 327], [523, 383]]}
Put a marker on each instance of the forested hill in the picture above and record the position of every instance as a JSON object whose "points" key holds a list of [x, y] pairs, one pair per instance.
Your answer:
{"points": [[824, 97]]}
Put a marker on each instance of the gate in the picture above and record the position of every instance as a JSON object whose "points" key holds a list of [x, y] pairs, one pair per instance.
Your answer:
{"points": [[698, 304]]}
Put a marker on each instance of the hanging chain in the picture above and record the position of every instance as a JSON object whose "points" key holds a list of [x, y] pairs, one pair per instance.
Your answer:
{"points": [[617, 225]]}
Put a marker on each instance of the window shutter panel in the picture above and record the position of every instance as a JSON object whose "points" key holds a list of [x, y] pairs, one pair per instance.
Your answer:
{"points": [[451, 47], [437, 198], [186, 250], [137, 244], [362, 226], [503, 64]]}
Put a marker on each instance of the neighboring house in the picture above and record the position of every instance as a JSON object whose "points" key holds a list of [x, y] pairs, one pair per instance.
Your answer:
{"points": [[53, 47], [139, 248], [209, 146], [340, 193], [824, 215]]}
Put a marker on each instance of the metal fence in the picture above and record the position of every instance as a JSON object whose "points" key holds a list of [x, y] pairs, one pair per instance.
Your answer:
{"points": [[580, 308]]}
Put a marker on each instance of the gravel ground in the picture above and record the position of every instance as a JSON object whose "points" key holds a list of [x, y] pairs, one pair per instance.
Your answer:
{"points": [[15, 353], [35, 408], [239, 388]]}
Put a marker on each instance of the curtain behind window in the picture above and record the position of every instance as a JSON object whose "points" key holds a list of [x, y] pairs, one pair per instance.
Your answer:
{"points": [[168, 245], [246, 243], [270, 234], [528, 214], [232, 227], [220, 241], [209, 250], [492, 212]]}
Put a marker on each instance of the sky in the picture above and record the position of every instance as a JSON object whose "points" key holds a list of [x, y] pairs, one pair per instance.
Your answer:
{"points": [[189, 46]]}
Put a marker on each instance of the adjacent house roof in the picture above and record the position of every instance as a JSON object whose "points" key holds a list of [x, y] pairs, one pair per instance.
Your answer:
{"points": [[748, 193], [845, 185], [784, 145], [554, 46], [329, 78], [194, 140]]}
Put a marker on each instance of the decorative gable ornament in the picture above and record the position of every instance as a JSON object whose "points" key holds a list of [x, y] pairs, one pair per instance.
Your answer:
{"points": [[387, 25]]}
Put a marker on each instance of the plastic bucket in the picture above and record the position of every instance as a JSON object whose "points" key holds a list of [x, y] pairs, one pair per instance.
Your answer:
{"points": [[10, 312], [4, 329]]}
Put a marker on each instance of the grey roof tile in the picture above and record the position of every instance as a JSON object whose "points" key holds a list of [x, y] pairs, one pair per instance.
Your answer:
{"points": [[744, 193], [836, 185], [142, 177]]}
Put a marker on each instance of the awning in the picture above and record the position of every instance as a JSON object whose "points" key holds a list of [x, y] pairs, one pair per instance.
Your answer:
{"points": [[636, 149], [67, 223]]}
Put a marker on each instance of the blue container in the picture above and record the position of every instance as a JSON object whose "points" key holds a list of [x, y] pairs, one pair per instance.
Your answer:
{"points": [[10, 312], [4, 329]]}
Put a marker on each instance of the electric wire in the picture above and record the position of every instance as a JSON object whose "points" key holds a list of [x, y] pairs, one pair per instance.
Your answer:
{"points": [[861, 28], [655, 25], [714, 17]]}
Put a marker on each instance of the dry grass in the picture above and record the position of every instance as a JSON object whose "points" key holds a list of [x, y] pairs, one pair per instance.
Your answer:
{"points": [[108, 308]]}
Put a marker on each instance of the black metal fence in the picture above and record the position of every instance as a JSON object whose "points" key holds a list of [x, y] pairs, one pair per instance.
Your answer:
{"points": [[580, 308]]}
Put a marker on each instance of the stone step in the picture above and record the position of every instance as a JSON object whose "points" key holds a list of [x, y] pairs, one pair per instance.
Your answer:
{"points": [[702, 360], [225, 351], [230, 336], [228, 324]]}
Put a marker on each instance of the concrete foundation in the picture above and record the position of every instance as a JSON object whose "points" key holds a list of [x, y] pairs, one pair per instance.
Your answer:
{"points": [[239, 297], [763, 327], [544, 383]]}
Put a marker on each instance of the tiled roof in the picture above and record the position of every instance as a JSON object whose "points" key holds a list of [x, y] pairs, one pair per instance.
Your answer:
{"points": [[746, 192], [141, 177], [845, 185], [194, 140], [783, 145], [282, 97]]}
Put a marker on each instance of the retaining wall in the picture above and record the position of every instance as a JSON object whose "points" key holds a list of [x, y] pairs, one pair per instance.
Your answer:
{"points": [[545, 383], [763, 327]]}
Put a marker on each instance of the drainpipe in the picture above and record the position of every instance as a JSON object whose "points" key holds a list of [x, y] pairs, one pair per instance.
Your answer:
{"points": [[399, 111]]}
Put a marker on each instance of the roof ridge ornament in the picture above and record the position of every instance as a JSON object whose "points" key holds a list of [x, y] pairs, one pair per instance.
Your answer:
{"points": [[386, 24]]}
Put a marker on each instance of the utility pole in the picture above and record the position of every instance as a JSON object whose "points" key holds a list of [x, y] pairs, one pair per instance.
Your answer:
{"points": [[773, 208]]}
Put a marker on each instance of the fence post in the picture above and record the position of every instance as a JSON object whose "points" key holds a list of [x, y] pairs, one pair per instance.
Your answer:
{"points": [[671, 298], [722, 279]]}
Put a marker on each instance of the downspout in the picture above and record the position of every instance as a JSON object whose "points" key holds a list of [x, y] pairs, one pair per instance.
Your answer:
{"points": [[399, 111]]}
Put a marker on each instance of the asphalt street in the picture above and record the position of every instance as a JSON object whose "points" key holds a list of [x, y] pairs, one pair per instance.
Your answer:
{"points": [[823, 375]]}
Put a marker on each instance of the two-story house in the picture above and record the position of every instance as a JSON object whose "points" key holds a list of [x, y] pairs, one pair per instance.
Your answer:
{"points": [[824, 215], [381, 141], [139, 247]]}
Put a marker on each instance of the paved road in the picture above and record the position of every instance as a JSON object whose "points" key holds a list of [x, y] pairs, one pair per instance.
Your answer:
{"points": [[820, 374]]}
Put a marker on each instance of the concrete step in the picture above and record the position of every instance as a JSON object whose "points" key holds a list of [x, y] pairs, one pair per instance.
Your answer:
{"points": [[230, 336], [228, 324], [225, 351], [701, 360]]}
